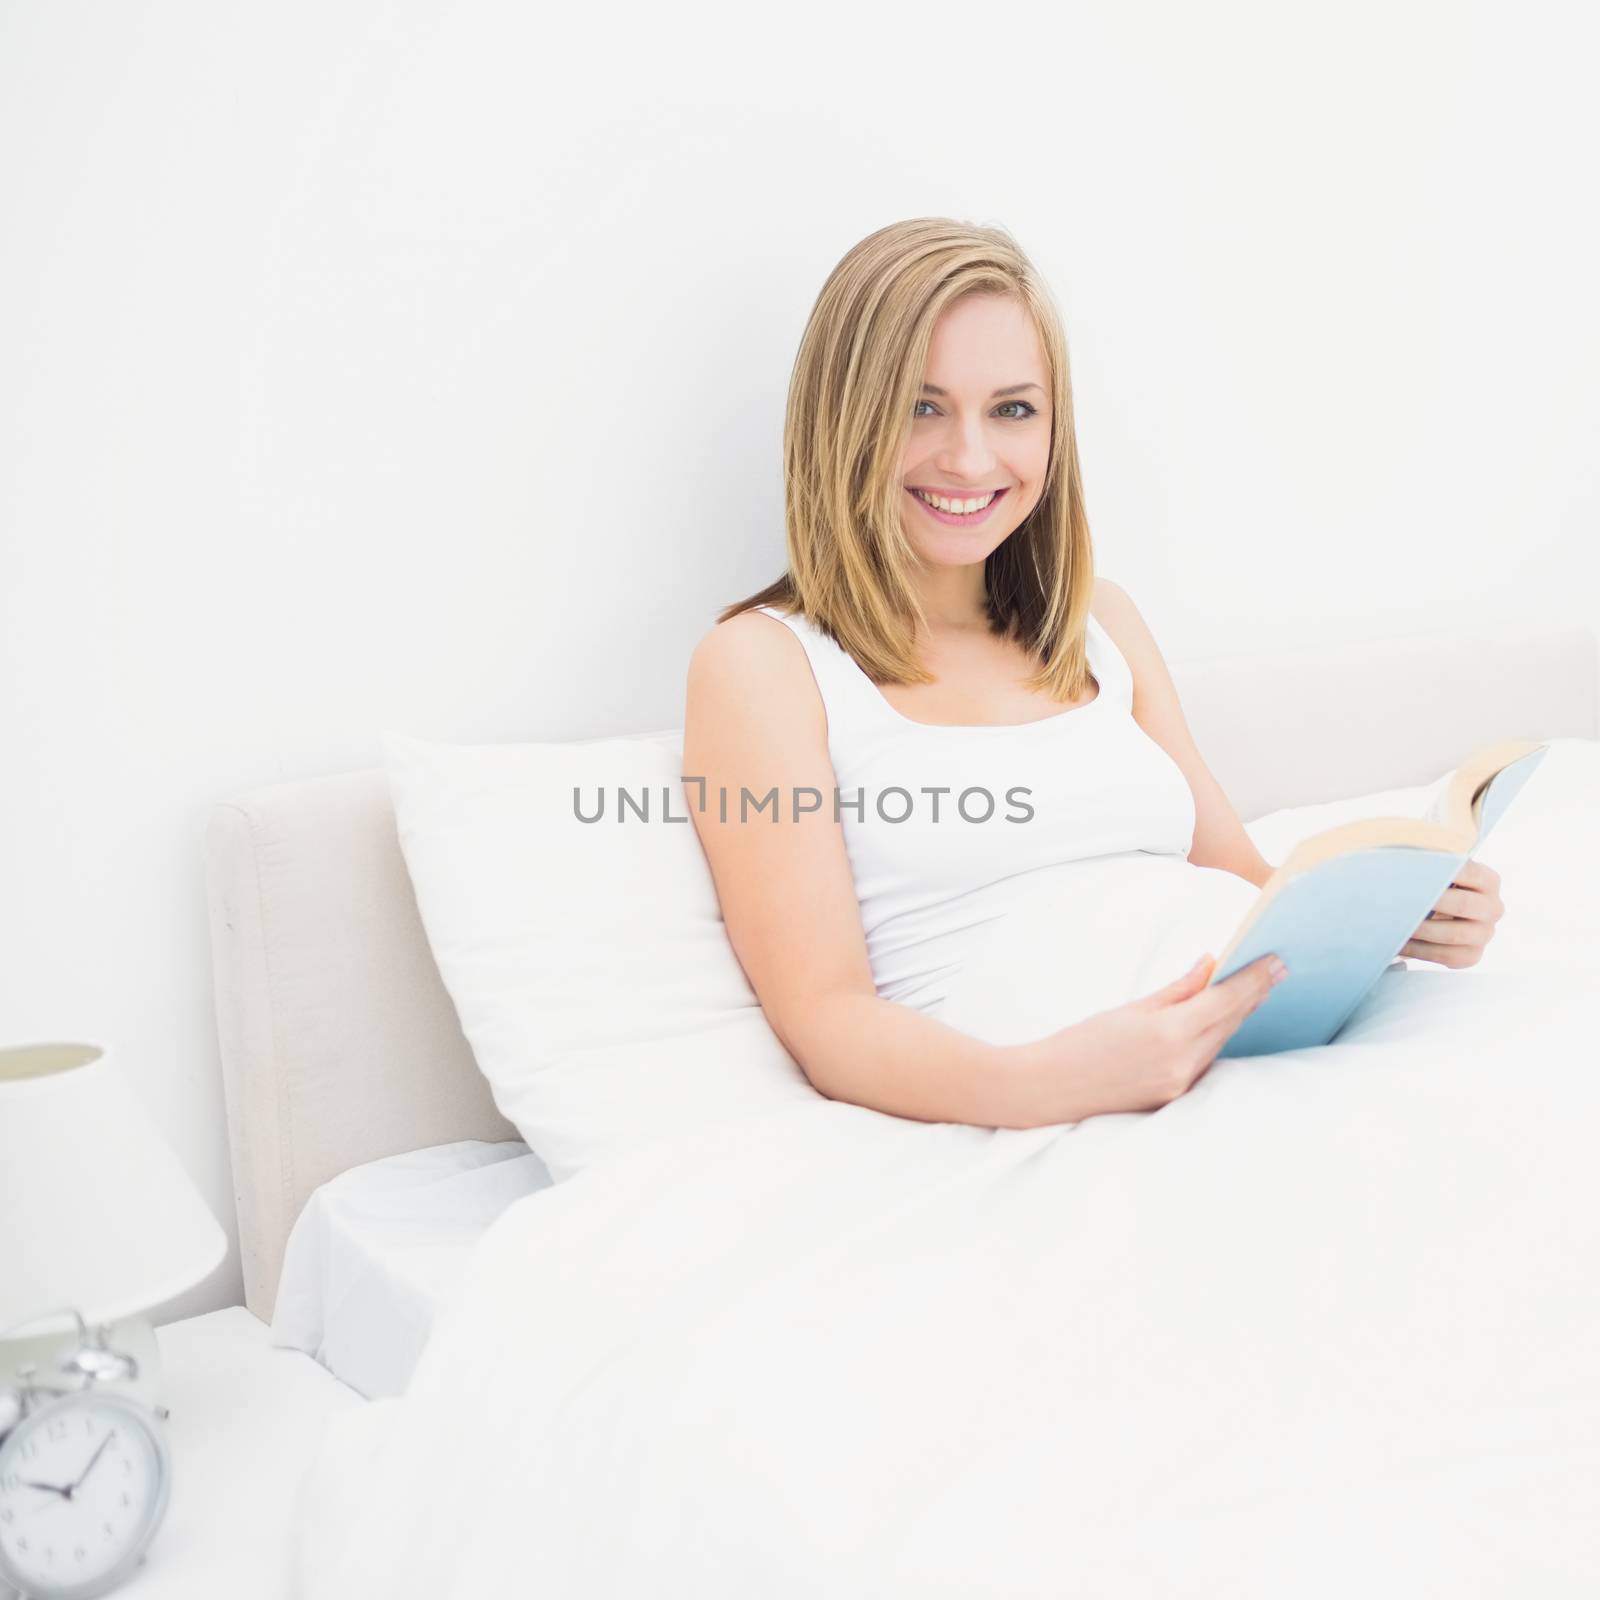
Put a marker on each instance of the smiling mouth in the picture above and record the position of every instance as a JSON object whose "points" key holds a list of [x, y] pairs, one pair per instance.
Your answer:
{"points": [[959, 519]]}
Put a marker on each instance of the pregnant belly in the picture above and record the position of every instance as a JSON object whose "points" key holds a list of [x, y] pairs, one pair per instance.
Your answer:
{"points": [[1086, 936]]}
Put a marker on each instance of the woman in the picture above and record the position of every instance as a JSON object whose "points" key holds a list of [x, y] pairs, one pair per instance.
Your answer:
{"points": [[957, 842]]}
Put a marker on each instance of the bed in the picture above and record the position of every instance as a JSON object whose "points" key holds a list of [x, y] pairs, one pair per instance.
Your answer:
{"points": [[671, 1449]]}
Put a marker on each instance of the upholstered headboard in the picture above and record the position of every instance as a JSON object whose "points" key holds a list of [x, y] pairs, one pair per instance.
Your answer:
{"points": [[339, 1043]]}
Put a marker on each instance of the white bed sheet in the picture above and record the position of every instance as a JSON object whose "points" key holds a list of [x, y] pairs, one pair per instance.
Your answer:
{"points": [[377, 1249], [1325, 1324]]}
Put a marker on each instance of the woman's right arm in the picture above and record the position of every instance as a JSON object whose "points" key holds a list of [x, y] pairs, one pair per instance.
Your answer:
{"points": [[754, 721]]}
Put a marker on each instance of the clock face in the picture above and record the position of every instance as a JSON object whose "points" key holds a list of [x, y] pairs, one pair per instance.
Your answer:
{"points": [[83, 1484]]}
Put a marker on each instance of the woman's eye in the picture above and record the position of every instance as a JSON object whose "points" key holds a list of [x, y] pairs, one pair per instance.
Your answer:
{"points": [[1027, 409]]}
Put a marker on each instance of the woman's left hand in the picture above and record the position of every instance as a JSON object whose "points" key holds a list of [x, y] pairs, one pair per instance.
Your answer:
{"points": [[1455, 932]]}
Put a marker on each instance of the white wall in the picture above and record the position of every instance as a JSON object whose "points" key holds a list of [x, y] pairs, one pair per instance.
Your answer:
{"points": [[369, 366]]}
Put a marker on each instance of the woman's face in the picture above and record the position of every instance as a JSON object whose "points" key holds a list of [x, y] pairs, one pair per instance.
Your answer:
{"points": [[981, 427]]}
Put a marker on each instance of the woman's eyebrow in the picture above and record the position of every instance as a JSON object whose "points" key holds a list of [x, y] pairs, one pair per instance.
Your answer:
{"points": [[1016, 388]]}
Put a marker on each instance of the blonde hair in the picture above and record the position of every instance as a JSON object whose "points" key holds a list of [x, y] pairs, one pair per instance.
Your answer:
{"points": [[852, 397]]}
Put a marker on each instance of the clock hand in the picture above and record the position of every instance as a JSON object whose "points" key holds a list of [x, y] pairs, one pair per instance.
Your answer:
{"points": [[77, 1482], [52, 1488]]}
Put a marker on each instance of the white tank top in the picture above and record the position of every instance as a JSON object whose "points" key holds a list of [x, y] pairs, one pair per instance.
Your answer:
{"points": [[1038, 865]]}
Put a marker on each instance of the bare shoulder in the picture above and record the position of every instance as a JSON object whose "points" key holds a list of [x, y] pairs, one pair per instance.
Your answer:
{"points": [[1109, 600], [749, 648], [1113, 608], [753, 658]]}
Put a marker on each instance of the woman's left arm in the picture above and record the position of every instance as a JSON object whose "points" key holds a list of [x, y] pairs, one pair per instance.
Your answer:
{"points": [[1220, 839], [1453, 934]]}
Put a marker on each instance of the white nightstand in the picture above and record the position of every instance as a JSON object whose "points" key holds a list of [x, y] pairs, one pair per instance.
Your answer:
{"points": [[244, 1422]]}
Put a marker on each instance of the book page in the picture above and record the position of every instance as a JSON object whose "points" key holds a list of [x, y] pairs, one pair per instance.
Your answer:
{"points": [[1435, 807]]}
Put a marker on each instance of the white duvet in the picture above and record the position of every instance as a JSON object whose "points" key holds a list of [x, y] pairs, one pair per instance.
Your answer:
{"points": [[1327, 1324]]}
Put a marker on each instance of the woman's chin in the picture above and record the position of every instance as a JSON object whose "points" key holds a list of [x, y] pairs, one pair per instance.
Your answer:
{"points": [[958, 550]]}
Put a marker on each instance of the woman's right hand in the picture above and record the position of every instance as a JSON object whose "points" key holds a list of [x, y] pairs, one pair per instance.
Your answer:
{"points": [[1144, 1054]]}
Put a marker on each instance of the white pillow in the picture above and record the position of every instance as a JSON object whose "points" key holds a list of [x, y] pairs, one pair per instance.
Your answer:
{"points": [[588, 961]]}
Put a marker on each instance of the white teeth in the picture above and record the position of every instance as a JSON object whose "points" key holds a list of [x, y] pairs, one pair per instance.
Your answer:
{"points": [[961, 507]]}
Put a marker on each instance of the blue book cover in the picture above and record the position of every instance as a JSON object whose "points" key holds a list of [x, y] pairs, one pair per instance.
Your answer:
{"points": [[1346, 900]]}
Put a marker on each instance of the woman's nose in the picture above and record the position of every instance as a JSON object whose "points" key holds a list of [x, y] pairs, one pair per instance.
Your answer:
{"points": [[968, 454]]}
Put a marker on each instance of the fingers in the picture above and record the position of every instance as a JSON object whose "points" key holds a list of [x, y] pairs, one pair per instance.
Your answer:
{"points": [[1444, 955], [1237, 996], [1481, 905], [1478, 917], [1191, 983], [1250, 985]]}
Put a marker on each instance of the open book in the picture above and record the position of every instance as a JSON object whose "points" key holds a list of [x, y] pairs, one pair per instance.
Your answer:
{"points": [[1346, 900]]}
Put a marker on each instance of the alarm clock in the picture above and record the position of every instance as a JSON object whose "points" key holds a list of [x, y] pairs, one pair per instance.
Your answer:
{"points": [[84, 1480]]}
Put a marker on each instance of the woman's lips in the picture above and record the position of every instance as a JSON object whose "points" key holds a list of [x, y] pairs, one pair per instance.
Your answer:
{"points": [[952, 519]]}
